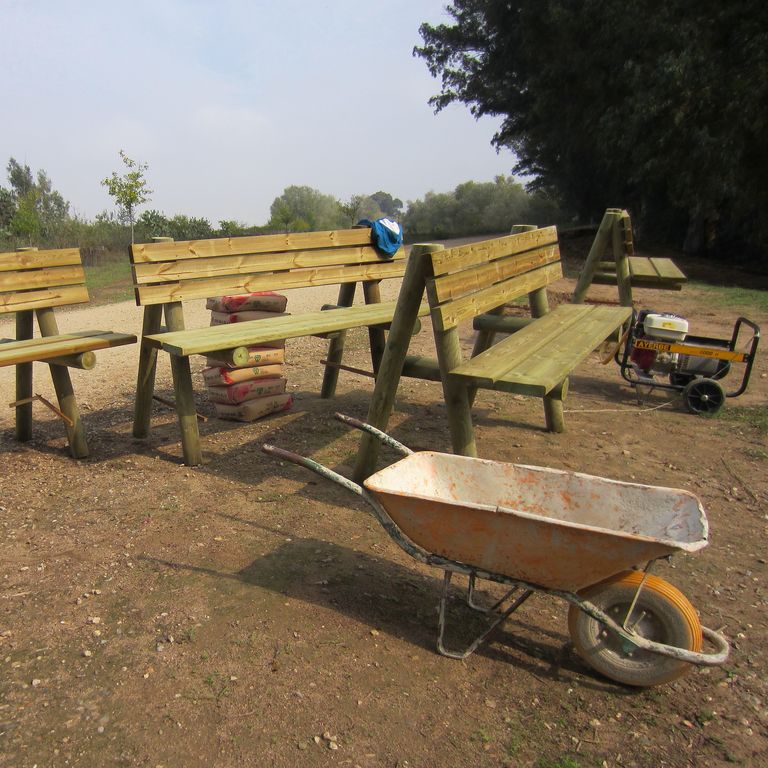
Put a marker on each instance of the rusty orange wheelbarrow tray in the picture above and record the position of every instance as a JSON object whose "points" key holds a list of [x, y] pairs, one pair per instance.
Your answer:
{"points": [[588, 540]]}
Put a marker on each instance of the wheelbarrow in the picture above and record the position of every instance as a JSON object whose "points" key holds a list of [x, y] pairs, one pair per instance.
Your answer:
{"points": [[588, 540]]}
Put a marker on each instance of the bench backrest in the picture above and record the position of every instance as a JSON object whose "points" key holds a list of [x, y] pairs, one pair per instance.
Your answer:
{"points": [[40, 279], [469, 280], [194, 269]]}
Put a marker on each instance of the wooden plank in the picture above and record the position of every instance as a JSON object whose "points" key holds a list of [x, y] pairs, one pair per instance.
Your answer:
{"points": [[538, 357], [253, 332], [451, 314], [276, 281], [187, 269], [48, 277], [55, 297], [235, 246], [45, 348], [492, 364], [484, 251], [60, 257], [666, 269], [458, 284]]}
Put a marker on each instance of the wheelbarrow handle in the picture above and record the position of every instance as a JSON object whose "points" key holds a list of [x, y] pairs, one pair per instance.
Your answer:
{"points": [[315, 467], [371, 430]]}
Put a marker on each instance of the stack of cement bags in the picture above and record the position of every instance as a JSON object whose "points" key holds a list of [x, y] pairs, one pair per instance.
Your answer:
{"points": [[257, 388]]}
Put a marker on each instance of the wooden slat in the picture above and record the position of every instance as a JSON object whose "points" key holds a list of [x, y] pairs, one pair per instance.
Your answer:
{"points": [[60, 257], [464, 256], [47, 277], [188, 269], [55, 297], [254, 332], [457, 284], [537, 358], [452, 313], [666, 269], [46, 348], [277, 281], [491, 365], [234, 246]]}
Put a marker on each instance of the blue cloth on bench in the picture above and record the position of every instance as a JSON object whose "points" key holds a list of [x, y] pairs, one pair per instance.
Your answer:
{"points": [[386, 236]]}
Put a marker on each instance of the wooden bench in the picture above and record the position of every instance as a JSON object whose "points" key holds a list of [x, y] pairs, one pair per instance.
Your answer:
{"points": [[166, 274], [32, 283], [474, 283], [626, 270]]}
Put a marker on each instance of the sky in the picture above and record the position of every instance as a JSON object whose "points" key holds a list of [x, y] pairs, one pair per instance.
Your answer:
{"points": [[231, 101]]}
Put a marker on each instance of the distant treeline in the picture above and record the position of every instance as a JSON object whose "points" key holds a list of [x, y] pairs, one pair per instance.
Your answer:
{"points": [[33, 213]]}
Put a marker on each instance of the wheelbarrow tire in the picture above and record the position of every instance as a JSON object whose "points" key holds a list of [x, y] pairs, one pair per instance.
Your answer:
{"points": [[668, 618]]}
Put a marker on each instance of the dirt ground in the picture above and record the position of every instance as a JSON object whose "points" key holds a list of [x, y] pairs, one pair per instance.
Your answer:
{"points": [[246, 613]]}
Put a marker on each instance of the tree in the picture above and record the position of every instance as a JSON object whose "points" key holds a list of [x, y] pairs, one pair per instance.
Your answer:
{"points": [[660, 107], [129, 190], [392, 207], [32, 209], [304, 208]]}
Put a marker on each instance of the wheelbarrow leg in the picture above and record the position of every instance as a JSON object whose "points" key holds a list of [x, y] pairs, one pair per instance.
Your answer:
{"points": [[482, 608], [499, 618]]}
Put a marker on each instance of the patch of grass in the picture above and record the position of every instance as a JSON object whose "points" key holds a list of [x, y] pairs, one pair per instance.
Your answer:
{"points": [[110, 281], [734, 296], [754, 416], [563, 762]]}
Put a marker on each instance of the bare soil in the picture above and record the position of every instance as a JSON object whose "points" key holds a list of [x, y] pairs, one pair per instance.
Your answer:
{"points": [[246, 613]]}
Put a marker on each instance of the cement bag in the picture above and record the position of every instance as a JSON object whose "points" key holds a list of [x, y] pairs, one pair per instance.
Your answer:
{"points": [[223, 318], [217, 377], [256, 356], [265, 300], [254, 409], [246, 390]]}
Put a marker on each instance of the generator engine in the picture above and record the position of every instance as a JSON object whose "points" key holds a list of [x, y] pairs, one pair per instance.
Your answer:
{"points": [[651, 328]]}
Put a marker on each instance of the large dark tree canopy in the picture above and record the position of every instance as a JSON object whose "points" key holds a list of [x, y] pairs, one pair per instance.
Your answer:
{"points": [[661, 107]]}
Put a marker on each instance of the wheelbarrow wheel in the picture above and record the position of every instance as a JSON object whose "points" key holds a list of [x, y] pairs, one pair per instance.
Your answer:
{"points": [[662, 613]]}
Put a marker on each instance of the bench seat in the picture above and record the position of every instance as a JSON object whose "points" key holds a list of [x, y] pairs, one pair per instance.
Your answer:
{"points": [[255, 332], [536, 359], [45, 348], [644, 272]]}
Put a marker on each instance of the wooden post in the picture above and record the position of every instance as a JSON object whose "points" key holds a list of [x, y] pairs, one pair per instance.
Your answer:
{"points": [[602, 239], [145, 382], [395, 350], [336, 345], [456, 394], [376, 336], [183, 391], [24, 331], [485, 338], [62, 383], [623, 249], [85, 361]]}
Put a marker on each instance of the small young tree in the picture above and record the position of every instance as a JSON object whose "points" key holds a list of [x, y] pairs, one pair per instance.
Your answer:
{"points": [[129, 190]]}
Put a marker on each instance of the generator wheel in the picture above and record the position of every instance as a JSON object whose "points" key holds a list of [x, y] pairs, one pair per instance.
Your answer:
{"points": [[662, 613], [704, 396]]}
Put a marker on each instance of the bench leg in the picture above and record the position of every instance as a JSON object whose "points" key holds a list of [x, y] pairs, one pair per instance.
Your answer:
{"points": [[376, 337], [336, 345], [455, 393], [24, 330], [553, 408], [145, 384], [65, 394], [185, 408], [184, 392], [395, 351]]}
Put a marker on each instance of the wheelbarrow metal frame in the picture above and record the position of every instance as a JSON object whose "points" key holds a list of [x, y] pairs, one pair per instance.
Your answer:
{"points": [[720, 643]]}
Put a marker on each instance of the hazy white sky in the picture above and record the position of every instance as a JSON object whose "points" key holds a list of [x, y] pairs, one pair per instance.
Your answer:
{"points": [[231, 101]]}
